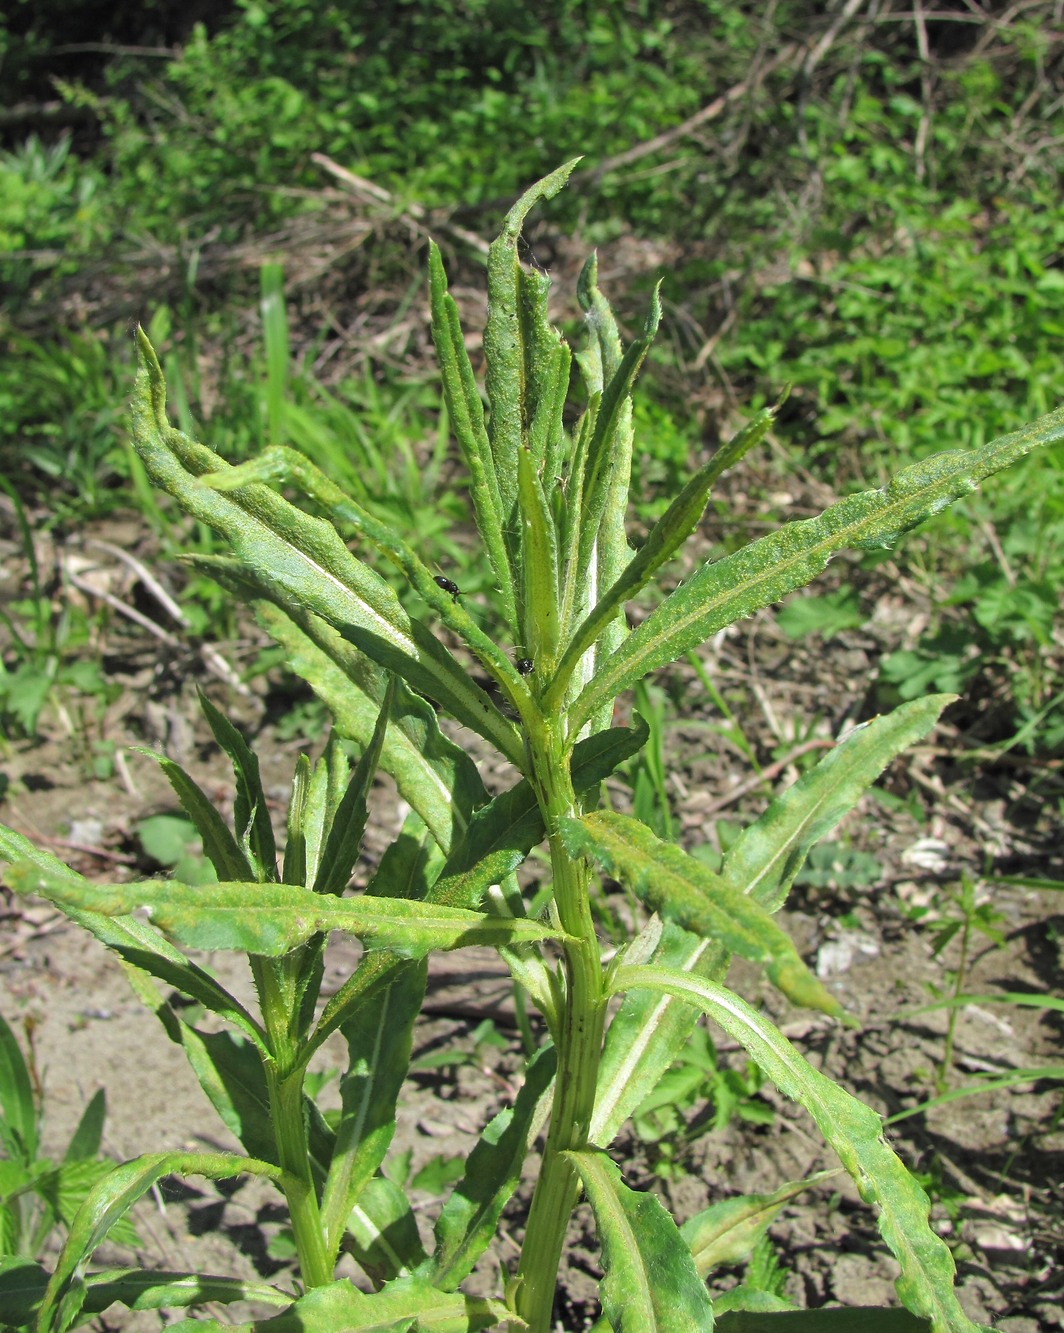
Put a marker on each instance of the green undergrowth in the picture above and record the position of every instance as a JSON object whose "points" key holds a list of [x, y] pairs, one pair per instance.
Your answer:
{"points": [[881, 231]]}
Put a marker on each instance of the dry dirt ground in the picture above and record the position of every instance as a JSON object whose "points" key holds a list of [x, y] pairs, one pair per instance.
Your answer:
{"points": [[994, 1159]]}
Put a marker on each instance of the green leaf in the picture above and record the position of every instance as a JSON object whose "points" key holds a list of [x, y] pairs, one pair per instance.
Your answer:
{"points": [[219, 846], [466, 412], [403, 1304], [663, 541], [612, 425], [382, 1232], [725, 591], [137, 944], [18, 1111], [435, 777], [378, 1059], [867, 1319], [539, 567], [272, 919], [504, 339], [251, 814], [499, 838], [726, 1232], [925, 1285], [22, 1284], [230, 1072], [281, 465], [766, 856], [349, 821], [604, 340], [650, 1284], [109, 1201], [503, 832], [148, 1289], [302, 561], [683, 890], [648, 1031], [85, 1141], [470, 1217], [548, 363]]}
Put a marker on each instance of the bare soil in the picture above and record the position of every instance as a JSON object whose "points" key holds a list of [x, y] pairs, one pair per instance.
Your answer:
{"points": [[993, 1160]]}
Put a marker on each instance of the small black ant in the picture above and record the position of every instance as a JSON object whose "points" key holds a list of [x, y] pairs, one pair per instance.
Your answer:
{"points": [[524, 665], [448, 585]]}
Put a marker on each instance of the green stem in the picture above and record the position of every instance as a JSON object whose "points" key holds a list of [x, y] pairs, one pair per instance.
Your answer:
{"points": [[284, 1082], [580, 1029], [290, 1132]]}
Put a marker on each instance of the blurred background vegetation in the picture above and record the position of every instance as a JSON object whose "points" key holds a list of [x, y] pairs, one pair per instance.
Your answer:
{"points": [[859, 198]]}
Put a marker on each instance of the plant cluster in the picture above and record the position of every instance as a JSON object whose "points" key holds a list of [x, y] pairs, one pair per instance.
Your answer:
{"points": [[549, 503]]}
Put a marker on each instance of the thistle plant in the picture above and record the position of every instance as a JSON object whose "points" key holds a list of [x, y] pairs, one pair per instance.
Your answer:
{"points": [[549, 504]]}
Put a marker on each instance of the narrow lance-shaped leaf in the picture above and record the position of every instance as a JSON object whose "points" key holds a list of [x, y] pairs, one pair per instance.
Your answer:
{"points": [[648, 1031], [547, 365], [766, 856], [281, 464], [250, 812], [349, 821], [466, 412], [539, 568], [600, 449], [109, 1201], [136, 943], [611, 557], [468, 1222], [576, 594], [434, 776], [761, 573], [377, 1065], [294, 865], [148, 1289], [687, 892], [503, 342], [601, 325], [18, 1113], [499, 838], [382, 1233], [726, 1232], [851, 1128], [401, 1305], [273, 919], [650, 1284], [663, 541], [220, 847], [504, 831], [303, 559]]}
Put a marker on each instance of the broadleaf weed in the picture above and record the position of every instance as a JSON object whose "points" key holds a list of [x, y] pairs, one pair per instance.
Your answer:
{"points": [[550, 505]]}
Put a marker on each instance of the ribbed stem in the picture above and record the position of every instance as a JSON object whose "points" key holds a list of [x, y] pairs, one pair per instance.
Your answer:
{"points": [[580, 1028]]}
